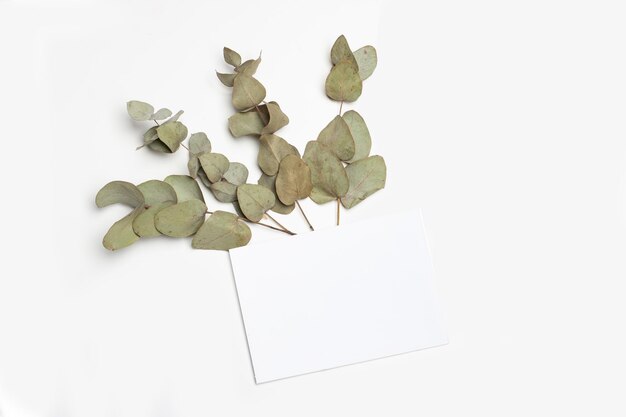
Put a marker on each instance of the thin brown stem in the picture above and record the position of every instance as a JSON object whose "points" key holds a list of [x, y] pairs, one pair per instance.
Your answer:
{"points": [[338, 210], [183, 145], [305, 217], [157, 123], [340, 107], [279, 225], [289, 232]]}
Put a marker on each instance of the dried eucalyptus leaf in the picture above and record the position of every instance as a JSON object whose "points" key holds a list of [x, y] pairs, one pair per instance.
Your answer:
{"points": [[121, 234], [159, 146], [193, 166], [249, 67], [343, 83], [366, 176], [143, 225], [272, 150], [174, 118], [337, 137], [293, 181], [186, 187], [222, 231], [237, 173], [172, 134], [269, 182], [328, 174], [120, 192], [247, 92], [231, 57], [214, 165], [277, 119], [155, 191], [238, 210], [366, 60], [224, 191], [341, 51], [203, 178], [360, 134], [161, 114], [150, 136], [254, 201], [244, 124], [182, 219], [199, 143], [226, 79], [139, 111]]}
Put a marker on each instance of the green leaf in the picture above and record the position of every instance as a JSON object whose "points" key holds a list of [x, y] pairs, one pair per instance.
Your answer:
{"points": [[328, 175], [119, 192], [337, 137], [254, 201], [247, 92], [182, 219], [360, 134], [174, 118], [249, 67], [231, 57], [269, 182], [293, 181], [224, 191], [203, 178], [121, 234], [366, 59], [159, 146], [214, 165], [150, 136], [341, 51], [366, 176], [161, 114], [199, 143], [247, 123], [277, 119], [193, 166], [237, 173], [226, 79], [172, 134], [139, 111], [186, 187], [143, 224], [272, 150], [222, 231], [343, 83], [155, 191]]}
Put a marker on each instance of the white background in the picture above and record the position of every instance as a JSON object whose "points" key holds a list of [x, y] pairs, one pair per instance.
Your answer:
{"points": [[503, 120]]}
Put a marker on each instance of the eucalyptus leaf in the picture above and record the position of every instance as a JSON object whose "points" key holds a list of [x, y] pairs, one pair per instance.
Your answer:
{"points": [[328, 174], [161, 114], [341, 51], [366, 176], [343, 83], [193, 166], [155, 191], [366, 59], [293, 181], [272, 150], [121, 234], [139, 110], [237, 173], [337, 137], [119, 192], [222, 231], [214, 165], [224, 191], [247, 92], [150, 136], [246, 123], [226, 79], [269, 182], [254, 201], [249, 67], [159, 146], [172, 134], [186, 187], [181, 219], [360, 134], [231, 57], [143, 224], [203, 178], [199, 143], [174, 118], [277, 119]]}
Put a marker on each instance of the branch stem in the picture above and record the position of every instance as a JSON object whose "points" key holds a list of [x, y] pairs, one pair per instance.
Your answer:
{"points": [[305, 217], [338, 210], [289, 232], [279, 225]]}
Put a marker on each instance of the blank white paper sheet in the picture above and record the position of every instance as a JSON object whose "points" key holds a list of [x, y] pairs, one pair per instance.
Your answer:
{"points": [[334, 297]]}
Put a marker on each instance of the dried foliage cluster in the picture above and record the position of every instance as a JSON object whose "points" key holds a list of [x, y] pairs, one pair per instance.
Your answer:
{"points": [[337, 166]]}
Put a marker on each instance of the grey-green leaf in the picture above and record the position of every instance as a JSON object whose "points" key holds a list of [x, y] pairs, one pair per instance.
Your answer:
{"points": [[255, 200], [193, 166], [293, 181], [182, 219], [328, 174], [337, 137], [222, 231], [366, 59], [269, 182], [150, 136], [121, 234], [244, 124], [186, 187], [121, 192], [360, 134], [155, 191], [366, 176], [237, 173], [226, 79], [343, 83], [172, 134], [231, 57], [214, 165], [224, 191], [247, 92], [143, 224], [139, 110], [161, 114], [199, 143], [249, 67], [341, 51], [277, 119], [272, 150]]}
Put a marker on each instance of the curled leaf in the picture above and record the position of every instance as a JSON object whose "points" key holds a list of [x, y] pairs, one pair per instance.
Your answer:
{"points": [[337, 137], [272, 150], [226, 79], [254, 201], [214, 165], [343, 83], [366, 176], [155, 191], [172, 134], [143, 224], [277, 119], [231, 57], [328, 174], [293, 181], [341, 51], [186, 187], [139, 110], [161, 114], [150, 136], [269, 182], [247, 92], [181, 219], [360, 134], [222, 231], [121, 233], [249, 67], [224, 191], [366, 59], [237, 173]]}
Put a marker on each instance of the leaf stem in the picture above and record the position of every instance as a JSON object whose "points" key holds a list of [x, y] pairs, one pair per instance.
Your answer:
{"points": [[340, 107], [305, 217], [279, 225], [183, 145], [289, 232], [338, 210]]}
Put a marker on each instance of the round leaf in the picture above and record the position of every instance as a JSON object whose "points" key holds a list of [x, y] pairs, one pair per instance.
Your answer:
{"points": [[231, 57], [244, 124], [328, 175], [138, 110], [272, 150], [155, 191], [161, 114], [199, 143], [293, 181], [337, 137], [360, 134], [186, 188], [366, 176], [254, 201], [269, 182], [366, 60], [214, 165], [143, 224], [237, 173], [172, 134], [121, 192], [222, 231], [121, 234], [224, 191], [343, 83], [247, 92], [182, 219]]}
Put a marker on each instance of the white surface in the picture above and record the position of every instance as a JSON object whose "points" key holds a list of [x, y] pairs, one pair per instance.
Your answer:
{"points": [[340, 296], [508, 130]]}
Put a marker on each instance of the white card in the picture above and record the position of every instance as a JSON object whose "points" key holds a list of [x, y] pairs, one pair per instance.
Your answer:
{"points": [[334, 297]]}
